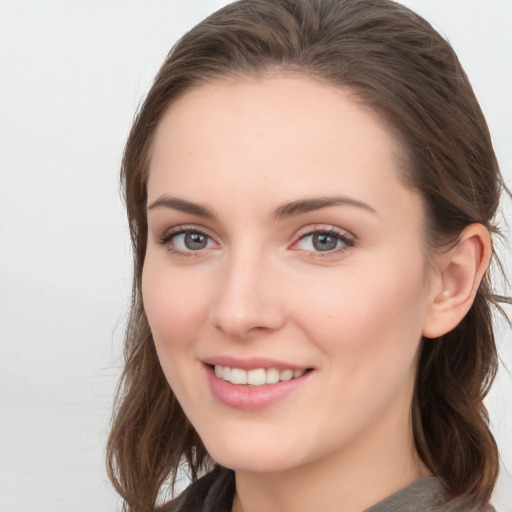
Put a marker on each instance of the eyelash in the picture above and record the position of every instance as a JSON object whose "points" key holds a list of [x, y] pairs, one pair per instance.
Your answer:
{"points": [[342, 236], [347, 241], [167, 238]]}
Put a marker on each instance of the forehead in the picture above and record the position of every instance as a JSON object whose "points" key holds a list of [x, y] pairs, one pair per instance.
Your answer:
{"points": [[288, 134], [291, 106]]}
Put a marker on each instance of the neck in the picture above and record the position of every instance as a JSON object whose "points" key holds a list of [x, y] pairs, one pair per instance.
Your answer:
{"points": [[354, 478]]}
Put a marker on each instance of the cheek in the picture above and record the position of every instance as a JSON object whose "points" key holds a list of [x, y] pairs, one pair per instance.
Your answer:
{"points": [[175, 308], [372, 308], [174, 304]]}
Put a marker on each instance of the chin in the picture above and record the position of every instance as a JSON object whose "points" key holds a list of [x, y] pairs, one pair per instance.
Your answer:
{"points": [[251, 457], [243, 464]]}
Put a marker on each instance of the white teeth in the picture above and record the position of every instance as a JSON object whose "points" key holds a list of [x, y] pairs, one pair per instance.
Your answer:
{"points": [[256, 377], [238, 376], [286, 375], [272, 376]]}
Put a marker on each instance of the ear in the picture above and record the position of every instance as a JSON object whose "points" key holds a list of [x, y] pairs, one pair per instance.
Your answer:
{"points": [[460, 271]]}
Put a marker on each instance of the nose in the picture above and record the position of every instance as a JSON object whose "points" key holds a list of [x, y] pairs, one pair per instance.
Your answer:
{"points": [[247, 301]]}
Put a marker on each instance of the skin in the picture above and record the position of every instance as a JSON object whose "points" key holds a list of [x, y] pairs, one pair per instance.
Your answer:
{"points": [[260, 288]]}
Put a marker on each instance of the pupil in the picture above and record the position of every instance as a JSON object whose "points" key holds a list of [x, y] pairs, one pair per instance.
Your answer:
{"points": [[195, 241], [324, 242]]}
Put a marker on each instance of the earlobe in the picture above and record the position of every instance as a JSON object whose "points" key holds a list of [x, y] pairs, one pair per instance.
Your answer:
{"points": [[461, 270]]}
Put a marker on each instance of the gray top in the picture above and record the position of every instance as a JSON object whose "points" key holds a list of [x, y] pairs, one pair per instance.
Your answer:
{"points": [[215, 491]]}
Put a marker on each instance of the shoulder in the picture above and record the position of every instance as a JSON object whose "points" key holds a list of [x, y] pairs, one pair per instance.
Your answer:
{"points": [[211, 493], [424, 495]]}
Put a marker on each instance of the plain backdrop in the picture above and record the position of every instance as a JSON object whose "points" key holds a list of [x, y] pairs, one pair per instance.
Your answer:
{"points": [[72, 74]]}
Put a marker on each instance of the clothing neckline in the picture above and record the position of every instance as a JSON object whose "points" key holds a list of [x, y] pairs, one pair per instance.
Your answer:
{"points": [[427, 490]]}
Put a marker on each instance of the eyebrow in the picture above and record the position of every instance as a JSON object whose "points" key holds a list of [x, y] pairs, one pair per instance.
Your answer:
{"points": [[303, 206], [284, 211], [182, 205]]}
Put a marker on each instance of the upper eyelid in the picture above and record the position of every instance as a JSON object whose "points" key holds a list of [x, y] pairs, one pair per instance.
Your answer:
{"points": [[185, 228], [299, 234], [346, 237], [325, 228], [169, 233]]}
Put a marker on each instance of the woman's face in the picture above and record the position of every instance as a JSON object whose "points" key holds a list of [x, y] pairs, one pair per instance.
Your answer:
{"points": [[283, 250]]}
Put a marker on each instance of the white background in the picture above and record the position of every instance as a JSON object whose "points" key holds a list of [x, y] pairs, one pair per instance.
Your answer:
{"points": [[71, 76]]}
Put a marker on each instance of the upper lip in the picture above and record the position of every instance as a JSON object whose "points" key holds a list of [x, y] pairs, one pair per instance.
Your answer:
{"points": [[251, 363]]}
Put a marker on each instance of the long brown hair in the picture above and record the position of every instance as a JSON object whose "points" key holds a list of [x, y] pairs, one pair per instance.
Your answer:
{"points": [[397, 64]]}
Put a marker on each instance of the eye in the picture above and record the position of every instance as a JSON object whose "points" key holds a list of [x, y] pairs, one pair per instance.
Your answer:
{"points": [[187, 240], [324, 241]]}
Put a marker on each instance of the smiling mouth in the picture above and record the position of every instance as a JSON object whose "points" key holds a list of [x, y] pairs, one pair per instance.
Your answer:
{"points": [[257, 376]]}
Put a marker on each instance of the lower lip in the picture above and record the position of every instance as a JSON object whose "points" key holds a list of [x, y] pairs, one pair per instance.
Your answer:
{"points": [[252, 398]]}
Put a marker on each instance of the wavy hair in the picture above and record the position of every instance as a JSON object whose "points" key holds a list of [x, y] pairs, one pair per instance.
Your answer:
{"points": [[397, 64]]}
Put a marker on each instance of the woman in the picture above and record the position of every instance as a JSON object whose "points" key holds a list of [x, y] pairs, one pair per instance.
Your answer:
{"points": [[311, 189]]}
